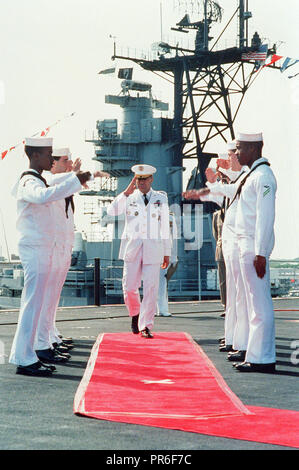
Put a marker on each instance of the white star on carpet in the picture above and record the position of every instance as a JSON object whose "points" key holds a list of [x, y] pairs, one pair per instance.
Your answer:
{"points": [[165, 381]]}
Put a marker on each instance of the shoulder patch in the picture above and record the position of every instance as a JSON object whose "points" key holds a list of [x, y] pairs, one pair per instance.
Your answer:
{"points": [[266, 190]]}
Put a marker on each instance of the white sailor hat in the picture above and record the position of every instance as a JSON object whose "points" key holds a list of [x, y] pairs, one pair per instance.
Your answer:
{"points": [[224, 156], [39, 141], [61, 152], [143, 171], [231, 145], [256, 137]]}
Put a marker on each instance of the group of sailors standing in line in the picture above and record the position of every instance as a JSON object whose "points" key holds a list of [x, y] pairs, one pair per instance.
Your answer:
{"points": [[45, 226], [246, 217], [46, 229]]}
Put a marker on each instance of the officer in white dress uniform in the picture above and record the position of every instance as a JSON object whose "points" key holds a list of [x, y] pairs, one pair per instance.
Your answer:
{"points": [[255, 231], [36, 229], [145, 245], [167, 273]]}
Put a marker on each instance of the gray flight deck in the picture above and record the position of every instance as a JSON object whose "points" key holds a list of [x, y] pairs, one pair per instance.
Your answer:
{"points": [[37, 413]]}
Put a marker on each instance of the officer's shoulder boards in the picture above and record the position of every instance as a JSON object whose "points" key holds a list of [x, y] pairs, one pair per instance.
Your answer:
{"points": [[163, 193]]}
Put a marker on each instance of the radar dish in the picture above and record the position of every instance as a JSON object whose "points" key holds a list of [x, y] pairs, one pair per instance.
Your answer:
{"points": [[214, 11]]}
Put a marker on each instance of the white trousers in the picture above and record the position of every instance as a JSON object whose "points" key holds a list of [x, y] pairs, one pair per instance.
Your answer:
{"points": [[132, 274], [66, 258], [162, 303], [261, 339], [236, 325], [241, 332], [46, 333], [37, 265], [230, 310]]}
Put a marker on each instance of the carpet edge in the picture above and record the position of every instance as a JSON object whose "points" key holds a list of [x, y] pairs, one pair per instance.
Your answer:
{"points": [[220, 380], [79, 404]]}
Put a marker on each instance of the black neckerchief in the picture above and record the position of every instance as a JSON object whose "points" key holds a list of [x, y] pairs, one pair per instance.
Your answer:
{"points": [[69, 201], [226, 200], [244, 180], [37, 175], [224, 207]]}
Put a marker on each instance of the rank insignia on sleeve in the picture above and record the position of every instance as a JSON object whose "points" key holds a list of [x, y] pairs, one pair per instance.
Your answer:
{"points": [[266, 190]]}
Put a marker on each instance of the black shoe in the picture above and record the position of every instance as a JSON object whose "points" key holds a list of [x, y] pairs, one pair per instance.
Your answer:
{"points": [[37, 369], [253, 367], [64, 345], [220, 340], [146, 333], [51, 356], [222, 315], [50, 366], [226, 348], [68, 341], [61, 349], [238, 356], [134, 324], [67, 345]]}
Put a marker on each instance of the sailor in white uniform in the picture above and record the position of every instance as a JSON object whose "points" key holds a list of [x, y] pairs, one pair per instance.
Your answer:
{"points": [[145, 245], [255, 231], [236, 319], [47, 334], [36, 228], [64, 228]]}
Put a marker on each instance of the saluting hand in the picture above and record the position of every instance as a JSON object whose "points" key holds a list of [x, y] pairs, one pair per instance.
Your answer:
{"points": [[210, 175], [77, 164], [165, 262], [131, 188], [260, 266], [223, 163]]}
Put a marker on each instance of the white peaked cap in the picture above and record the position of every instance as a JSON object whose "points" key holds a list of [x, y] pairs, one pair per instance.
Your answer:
{"points": [[39, 141], [143, 170], [257, 137], [231, 145], [61, 152]]}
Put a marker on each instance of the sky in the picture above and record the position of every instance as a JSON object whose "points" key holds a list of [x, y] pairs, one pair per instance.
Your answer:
{"points": [[52, 51]]}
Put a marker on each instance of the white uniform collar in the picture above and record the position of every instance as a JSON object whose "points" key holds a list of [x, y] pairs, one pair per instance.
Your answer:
{"points": [[148, 195], [259, 160], [15, 187]]}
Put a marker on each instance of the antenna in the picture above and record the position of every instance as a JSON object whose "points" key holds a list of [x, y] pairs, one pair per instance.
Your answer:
{"points": [[161, 21], [244, 16], [5, 239], [209, 10]]}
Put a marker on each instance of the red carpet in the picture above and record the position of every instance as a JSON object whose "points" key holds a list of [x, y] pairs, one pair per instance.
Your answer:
{"points": [[169, 382]]}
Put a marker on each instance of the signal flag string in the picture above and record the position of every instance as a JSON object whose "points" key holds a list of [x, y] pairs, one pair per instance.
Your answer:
{"points": [[42, 133]]}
